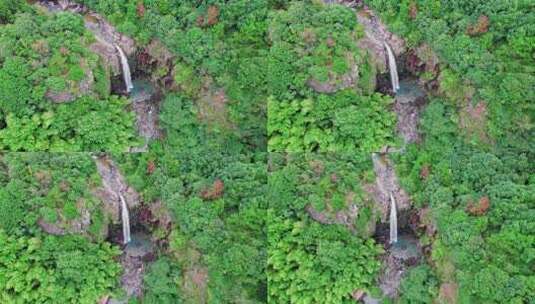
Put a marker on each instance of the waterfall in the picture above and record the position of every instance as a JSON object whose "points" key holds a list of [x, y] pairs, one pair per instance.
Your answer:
{"points": [[126, 70], [393, 68], [125, 219], [393, 221]]}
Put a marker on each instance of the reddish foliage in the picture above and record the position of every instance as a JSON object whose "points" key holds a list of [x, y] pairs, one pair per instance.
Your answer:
{"points": [[43, 177], [213, 15], [308, 35], [424, 172], [317, 166], [140, 9], [145, 215], [481, 26], [478, 112], [151, 166], [334, 178], [473, 120], [448, 293], [211, 18], [358, 294], [481, 208], [215, 191]]}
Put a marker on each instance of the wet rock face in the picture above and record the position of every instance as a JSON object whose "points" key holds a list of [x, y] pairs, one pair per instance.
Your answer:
{"points": [[114, 185], [106, 37], [158, 62], [448, 293], [146, 104], [376, 33], [387, 182], [108, 55]]}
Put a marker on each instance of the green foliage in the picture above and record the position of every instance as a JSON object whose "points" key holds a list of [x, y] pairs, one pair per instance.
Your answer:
{"points": [[217, 201], [343, 122], [310, 263], [480, 200], [485, 45], [45, 58], [162, 283], [8, 8], [327, 182], [217, 45], [310, 41], [84, 125], [50, 269], [53, 187], [229, 228], [419, 286]]}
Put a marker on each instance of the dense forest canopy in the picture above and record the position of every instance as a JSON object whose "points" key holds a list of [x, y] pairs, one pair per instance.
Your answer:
{"points": [[265, 154]]}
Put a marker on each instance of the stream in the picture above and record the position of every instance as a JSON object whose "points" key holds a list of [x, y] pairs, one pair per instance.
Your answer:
{"points": [[138, 248], [402, 248]]}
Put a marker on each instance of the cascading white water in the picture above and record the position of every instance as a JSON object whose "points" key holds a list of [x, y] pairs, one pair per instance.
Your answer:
{"points": [[393, 68], [393, 221], [126, 69], [125, 219]]}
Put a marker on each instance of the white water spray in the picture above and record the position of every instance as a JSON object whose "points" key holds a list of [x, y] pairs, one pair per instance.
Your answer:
{"points": [[393, 221], [393, 68], [125, 219], [126, 70]]}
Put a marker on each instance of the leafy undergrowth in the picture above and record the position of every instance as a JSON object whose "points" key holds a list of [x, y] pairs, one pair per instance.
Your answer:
{"points": [[309, 262], [473, 175], [320, 98], [52, 269], [218, 46], [214, 190], [45, 58], [53, 188], [481, 203], [344, 121]]}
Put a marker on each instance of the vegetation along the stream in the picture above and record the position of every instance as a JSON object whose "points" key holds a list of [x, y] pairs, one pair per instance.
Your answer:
{"points": [[267, 151]]}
